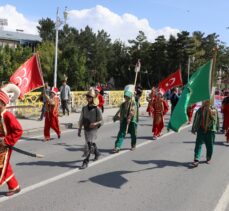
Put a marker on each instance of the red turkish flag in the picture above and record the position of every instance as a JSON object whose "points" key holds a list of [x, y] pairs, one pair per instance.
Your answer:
{"points": [[28, 76], [171, 81]]}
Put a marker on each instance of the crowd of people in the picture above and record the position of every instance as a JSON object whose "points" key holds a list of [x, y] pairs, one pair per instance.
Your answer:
{"points": [[205, 123]]}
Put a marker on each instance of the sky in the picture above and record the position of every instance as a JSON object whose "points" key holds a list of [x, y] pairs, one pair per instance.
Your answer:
{"points": [[123, 19]]}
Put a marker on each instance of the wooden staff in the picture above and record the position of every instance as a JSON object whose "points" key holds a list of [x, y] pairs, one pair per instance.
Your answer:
{"points": [[137, 70], [26, 152]]}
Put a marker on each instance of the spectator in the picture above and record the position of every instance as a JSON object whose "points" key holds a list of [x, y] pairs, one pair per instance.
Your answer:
{"points": [[174, 98], [65, 97]]}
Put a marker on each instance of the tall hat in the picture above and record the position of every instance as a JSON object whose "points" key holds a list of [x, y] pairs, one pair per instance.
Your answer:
{"points": [[129, 90], [65, 78], [4, 97], [98, 88], [9, 88], [54, 90], [161, 92]]}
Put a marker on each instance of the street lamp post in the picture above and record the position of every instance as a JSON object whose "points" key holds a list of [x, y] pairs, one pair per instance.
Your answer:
{"points": [[58, 23]]}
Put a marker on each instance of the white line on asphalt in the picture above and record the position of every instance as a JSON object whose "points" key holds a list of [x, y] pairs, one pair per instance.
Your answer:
{"points": [[223, 201], [63, 175]]}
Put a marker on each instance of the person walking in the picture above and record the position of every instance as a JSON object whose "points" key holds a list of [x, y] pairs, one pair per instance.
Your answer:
{"points": [[160, 108], [174, 98], [51, 114], [190, 111], [205, 124], [65, 96], [91, 119], [100, 98], [127, 114], [46, 91], [225, 112], [10, 132]]}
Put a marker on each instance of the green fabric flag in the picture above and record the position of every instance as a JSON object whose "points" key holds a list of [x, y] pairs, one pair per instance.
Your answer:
{"points": [[198, 89]]}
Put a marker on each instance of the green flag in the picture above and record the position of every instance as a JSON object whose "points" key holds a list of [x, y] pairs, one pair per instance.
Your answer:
{"points": [[198, 89]]}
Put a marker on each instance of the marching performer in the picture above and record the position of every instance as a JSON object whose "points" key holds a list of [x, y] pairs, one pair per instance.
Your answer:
{"points": [[190, 111], [127, 114], [150, 101], [91, 120], [10, 133], [160, 108], [51, 114], [225, 111], [100, 98], [205, 124]]}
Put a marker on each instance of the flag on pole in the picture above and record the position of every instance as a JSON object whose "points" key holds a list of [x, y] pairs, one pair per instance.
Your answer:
{"points": [[198, 89], [171, 81], [28, 76]]}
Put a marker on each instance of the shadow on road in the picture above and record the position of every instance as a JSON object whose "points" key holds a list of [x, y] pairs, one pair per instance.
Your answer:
{"points": [[33, 139], [219, 143], [113, 179], [67, 164], [162, 163]]}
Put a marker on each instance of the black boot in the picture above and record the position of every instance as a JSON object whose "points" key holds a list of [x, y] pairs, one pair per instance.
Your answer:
{"points": [[96, 152], [84, 165]]}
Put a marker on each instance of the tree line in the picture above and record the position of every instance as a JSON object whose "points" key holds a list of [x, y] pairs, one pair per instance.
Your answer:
{"points": [[88, 57]]}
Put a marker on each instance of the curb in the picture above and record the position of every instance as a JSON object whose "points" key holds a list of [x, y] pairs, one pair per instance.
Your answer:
{"points": [[63, 126], [73, 125]]}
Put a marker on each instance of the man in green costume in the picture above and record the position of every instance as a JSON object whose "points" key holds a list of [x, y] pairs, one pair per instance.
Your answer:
{"points": [[205, 124], [127, 114]]}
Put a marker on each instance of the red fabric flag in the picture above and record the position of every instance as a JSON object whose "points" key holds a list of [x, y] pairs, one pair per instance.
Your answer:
{"points": [[171, 81], [28, 76]]}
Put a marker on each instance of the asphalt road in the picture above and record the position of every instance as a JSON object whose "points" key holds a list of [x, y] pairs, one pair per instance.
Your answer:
{"points": [[156, 176]]}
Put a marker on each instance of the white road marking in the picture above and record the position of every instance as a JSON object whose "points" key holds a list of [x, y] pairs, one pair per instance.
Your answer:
{"points": [[66, 174], [223, 201]]}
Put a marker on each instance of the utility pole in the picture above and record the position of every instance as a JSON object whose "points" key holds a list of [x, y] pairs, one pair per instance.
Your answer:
{"points": [[58, 23]]}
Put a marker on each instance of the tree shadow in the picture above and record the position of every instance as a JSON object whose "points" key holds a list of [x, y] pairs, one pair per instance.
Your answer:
{"points": [[66, 164]]}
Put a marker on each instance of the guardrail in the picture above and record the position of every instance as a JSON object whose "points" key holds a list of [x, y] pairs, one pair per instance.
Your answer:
{"points": [[32, 104]]}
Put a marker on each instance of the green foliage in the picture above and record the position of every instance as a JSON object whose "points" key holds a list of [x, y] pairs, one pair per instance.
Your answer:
{"points": [[87, 57]]}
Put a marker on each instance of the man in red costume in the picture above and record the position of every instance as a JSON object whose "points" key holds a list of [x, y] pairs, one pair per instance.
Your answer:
{"points": [[10, 132], [150, 100], [225, 111], [100, 98], [51, 114], [160, 108], [190, 112]]}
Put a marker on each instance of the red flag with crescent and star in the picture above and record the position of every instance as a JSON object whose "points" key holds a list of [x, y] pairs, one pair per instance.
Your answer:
{"points": [[28, 76], [171, 81]]}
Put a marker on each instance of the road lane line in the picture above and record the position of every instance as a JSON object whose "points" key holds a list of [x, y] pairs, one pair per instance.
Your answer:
{"points": [[69, 173], [223, 201]]}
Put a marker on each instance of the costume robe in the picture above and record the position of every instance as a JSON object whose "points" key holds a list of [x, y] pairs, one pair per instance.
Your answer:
{"points": [[190, 112], [51, 117], [10, 131], [160, 108], [225, 111]]}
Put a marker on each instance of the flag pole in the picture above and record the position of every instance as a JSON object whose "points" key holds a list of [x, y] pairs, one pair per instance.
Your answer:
{"points": [[215, 51], [137, 70]]}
